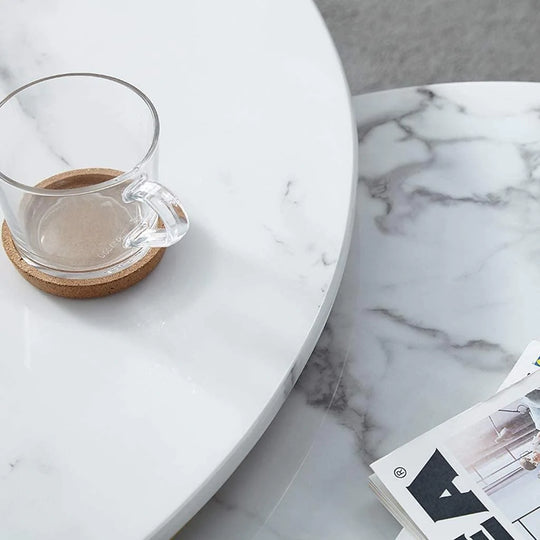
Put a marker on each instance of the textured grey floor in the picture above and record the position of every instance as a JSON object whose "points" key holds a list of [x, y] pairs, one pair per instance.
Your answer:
{"points": [[392, 43]]}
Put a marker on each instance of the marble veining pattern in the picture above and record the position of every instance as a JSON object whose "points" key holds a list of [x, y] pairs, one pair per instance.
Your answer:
{"points": [[439, 297]]}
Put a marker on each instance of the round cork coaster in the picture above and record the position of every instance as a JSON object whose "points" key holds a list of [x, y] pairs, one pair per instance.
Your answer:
{"points": [[80, 288]]}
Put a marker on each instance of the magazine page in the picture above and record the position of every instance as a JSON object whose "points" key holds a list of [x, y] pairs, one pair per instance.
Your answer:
{"points": [[474, 476], [527, 364]]}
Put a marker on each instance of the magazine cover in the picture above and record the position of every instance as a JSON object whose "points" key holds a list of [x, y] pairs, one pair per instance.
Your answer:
{"points": [[474, 476], [527, 364]]}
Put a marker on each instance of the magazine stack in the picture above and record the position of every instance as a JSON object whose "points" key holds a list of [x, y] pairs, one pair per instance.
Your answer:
{"points": [[476, 476]]}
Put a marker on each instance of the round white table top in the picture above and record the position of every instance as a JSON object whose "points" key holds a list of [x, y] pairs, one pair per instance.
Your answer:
{"points": [[121, 416]]}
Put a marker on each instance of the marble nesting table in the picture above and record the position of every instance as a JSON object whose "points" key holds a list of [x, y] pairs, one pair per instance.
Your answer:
{"points": [[121, 417], [440, 295]]}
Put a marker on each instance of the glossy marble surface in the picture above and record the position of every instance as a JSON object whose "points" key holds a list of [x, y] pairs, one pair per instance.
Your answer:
{"points": [[120, 417], [440, 296]]}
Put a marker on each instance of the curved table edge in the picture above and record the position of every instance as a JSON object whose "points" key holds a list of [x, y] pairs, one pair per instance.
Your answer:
{"points": [[184, 513]]}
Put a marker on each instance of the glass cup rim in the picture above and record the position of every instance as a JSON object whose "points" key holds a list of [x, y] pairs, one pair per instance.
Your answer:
{"points": [[103, 185]]}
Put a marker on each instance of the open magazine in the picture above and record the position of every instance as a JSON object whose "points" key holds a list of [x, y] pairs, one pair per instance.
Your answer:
{"points": [[475, 476]]}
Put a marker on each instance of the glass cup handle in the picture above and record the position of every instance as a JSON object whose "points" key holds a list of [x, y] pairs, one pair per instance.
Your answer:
{"points": [[174, 220]]}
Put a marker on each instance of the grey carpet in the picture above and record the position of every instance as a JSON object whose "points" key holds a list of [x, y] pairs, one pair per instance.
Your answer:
{"points": [[392, 43]]}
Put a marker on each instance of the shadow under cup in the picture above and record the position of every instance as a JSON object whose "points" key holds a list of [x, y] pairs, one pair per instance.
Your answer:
{"points": [[65, 142]]}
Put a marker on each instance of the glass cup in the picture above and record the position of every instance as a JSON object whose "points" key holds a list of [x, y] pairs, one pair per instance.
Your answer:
{"points": [[78, 175]]}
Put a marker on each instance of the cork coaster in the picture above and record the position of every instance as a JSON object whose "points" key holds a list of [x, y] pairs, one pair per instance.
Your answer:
{"points": [[80, 288]]}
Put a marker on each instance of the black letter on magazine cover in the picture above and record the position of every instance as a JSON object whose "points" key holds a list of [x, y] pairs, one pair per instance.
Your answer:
{"points": [[494, 528], [435, 479]]}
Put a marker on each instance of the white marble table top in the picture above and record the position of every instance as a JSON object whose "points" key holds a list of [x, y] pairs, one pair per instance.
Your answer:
{"points": [[439, 298], [120, 417]]}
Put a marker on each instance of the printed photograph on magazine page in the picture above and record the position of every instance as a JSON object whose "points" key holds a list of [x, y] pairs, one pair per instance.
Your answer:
{"points": [[502, 454]]}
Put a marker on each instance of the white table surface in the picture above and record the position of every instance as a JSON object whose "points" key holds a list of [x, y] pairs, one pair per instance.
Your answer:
{"points": [[440, 295], [120, 417]]}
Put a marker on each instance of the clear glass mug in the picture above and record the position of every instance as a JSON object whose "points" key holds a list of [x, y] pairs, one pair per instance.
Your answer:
{"points": [[78, 175]]}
